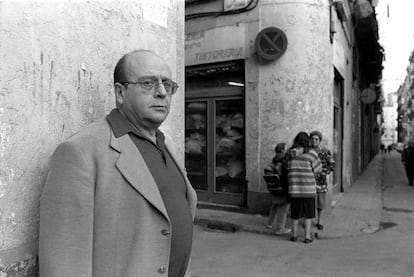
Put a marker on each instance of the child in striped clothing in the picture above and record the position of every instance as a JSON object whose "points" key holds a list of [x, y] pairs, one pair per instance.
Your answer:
{"points": [[303, 164]]}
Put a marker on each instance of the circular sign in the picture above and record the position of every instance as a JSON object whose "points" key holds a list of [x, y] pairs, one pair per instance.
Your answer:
{"points": [[271, 43], [368, 96]]}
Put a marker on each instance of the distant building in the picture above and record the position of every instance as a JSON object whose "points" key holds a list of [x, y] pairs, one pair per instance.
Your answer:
{"points": [[390, 116], [406, 104]]}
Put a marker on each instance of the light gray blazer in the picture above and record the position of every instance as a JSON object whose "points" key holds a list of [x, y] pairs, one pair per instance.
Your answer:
{"points": [[101, 213]]}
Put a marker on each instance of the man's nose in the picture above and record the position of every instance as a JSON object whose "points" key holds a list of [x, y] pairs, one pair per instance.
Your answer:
{"points": [[160, 89]]}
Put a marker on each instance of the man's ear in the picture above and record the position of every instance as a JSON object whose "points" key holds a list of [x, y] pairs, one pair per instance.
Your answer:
{"points": [[119, 94]]}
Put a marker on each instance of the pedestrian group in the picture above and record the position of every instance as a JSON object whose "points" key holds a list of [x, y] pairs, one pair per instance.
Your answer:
{"points": [[301, 173]]}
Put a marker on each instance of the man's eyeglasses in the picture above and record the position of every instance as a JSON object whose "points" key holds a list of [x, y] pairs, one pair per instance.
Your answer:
{"points": [[149, 85]]}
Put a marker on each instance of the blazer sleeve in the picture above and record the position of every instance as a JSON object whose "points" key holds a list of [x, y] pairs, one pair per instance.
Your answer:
{"points": [[66, 215]]}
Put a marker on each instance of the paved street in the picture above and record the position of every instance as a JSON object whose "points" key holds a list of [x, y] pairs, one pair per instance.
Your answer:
{"points": [[387, 252]]}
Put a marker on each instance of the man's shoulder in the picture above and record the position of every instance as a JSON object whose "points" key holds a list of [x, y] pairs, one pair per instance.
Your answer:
{"points": [[88, 144], [98, 130]]}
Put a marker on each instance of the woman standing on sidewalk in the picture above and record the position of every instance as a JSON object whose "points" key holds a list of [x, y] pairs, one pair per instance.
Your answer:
{"points": [[328, 166], [303, 163]]}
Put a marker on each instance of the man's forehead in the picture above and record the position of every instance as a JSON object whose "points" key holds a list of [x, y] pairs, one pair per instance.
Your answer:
{"points": [[147, 64]]}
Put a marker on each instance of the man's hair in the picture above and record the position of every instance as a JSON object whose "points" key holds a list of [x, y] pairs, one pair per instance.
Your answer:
{"points": [[120, 70]]}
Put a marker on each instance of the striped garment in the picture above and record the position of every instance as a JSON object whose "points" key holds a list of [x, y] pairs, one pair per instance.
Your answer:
{"points": [[301, 174]]}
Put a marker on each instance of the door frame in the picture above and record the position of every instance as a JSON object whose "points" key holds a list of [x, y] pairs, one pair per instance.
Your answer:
{"points": [[338, 137]]}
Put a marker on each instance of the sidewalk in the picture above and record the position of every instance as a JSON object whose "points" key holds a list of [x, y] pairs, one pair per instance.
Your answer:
{"points": [[357, 212]]}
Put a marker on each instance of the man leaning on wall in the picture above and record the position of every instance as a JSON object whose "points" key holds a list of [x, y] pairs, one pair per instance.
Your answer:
{"points": [[116, 202]]}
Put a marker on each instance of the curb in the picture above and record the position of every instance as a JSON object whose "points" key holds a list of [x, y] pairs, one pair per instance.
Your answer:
{"points": [[217, 225]]}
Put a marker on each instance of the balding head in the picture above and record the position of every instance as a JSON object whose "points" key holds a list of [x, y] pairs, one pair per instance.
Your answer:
{"points": [[126, 66], [140, 93]]}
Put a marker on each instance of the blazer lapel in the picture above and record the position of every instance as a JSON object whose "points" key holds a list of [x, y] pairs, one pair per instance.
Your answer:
{"points": [[132, 166]]}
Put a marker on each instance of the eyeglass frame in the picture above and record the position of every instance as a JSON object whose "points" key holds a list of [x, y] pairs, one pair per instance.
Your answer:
{"points": [[157, 82]]}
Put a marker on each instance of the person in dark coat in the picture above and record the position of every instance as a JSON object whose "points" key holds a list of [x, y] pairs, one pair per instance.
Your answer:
{"points": [[280, 206], [382, 147], [407, 158]]}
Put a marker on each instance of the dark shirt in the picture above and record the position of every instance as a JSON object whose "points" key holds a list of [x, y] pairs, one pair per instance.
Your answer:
{"points": [[171, 185], [408, 156]]}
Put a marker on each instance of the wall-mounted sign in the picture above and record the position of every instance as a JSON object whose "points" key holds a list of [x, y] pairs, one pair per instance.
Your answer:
{"points": [[271, 43], [230, 5], [368, 96], [216, 45]]}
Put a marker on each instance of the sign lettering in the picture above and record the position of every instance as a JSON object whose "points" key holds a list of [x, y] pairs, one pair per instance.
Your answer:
{"points": [[219, 54], [194, 36]]}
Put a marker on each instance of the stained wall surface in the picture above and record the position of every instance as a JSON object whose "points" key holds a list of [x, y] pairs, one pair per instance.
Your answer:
{"points": [[57, 60], [296, 90]]}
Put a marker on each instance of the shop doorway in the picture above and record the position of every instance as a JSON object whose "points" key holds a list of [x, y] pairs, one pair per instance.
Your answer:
{"points": [[338, 132], [215, 132]]}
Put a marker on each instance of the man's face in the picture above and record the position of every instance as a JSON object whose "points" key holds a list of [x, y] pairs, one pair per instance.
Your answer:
{"points": [[315, 141], [145, 108]]}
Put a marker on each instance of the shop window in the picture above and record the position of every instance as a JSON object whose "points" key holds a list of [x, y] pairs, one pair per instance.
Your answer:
{"points": [[215, 132]]}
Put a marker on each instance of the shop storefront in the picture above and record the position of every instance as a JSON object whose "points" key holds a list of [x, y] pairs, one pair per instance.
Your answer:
{"points": [[215, 132], [258, 75]]}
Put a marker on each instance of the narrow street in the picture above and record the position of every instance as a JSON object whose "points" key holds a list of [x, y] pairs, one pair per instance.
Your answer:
{"points": [[387, 252]]}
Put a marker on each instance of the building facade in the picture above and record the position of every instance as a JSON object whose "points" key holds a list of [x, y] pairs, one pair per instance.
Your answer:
{"points": [[389, 131], [258, 72], [405, 107]]}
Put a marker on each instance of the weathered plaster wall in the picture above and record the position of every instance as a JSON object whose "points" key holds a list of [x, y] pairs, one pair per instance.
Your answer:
{"points": [[296, 90], [57, 60]]}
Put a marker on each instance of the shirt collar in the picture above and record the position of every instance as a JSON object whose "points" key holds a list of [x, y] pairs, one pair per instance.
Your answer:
{"points": [[121, 126]]}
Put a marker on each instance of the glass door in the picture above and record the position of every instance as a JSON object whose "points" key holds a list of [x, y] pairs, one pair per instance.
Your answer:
{"points": [[214, 149], [215, 132], [195, 143], [229, 142]]}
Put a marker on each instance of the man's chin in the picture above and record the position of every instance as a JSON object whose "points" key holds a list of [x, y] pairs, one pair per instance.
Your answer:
{"points": [[158, 120]]}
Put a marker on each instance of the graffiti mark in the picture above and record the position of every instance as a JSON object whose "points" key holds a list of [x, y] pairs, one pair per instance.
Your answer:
{"points": [[49, 93], [34, 80]]}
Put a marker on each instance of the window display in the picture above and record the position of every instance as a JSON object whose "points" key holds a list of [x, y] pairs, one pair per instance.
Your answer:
{"points": [[215, 132], [229, 146], [195, 143]]}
